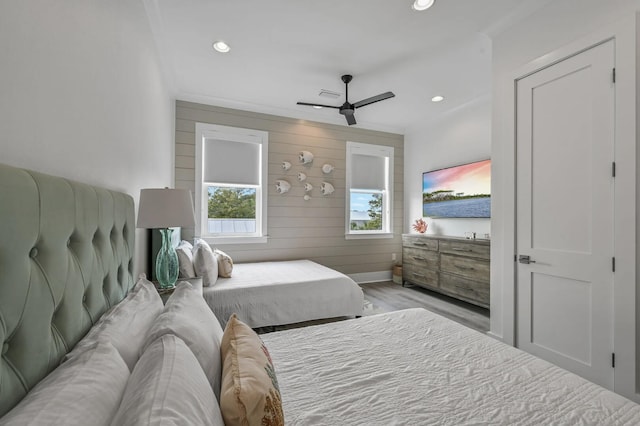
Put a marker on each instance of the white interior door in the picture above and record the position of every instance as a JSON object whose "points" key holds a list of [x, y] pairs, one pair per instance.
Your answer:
{"points": [[565, 149]]}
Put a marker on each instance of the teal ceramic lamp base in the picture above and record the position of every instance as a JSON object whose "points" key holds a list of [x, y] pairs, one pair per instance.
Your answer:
{"points": [[167, 261]]}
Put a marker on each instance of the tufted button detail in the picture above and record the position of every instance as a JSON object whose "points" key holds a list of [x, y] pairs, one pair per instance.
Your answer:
{"points": [[5, 348], [33, 252], [84, 298], [68, 242]]}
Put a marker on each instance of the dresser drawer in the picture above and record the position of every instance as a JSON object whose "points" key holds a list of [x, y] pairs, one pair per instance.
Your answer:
{"points": [[468, 267], [420, 276], [472, 291], [418, 241], [420, 257], [465, 248]]}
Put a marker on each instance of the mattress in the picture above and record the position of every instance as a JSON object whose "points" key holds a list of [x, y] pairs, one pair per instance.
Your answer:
{"points": [[286, 292], [414, 367]]}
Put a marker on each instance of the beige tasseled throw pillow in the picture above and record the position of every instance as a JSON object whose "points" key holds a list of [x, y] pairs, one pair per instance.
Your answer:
{"points": [[250, 393], [225, 263]]}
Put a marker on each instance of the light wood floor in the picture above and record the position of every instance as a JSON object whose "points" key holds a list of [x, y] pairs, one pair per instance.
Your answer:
{"points": [[388, 296]]}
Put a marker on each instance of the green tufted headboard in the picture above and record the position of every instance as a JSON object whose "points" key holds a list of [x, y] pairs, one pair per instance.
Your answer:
{"points": [[66, 256]]}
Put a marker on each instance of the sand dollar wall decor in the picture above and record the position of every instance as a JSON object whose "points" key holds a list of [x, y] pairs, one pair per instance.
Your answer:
{"points": [[327, 168]]}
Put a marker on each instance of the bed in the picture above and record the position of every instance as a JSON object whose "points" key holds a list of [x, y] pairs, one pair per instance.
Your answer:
{"points": [[284, 292], [416, 367], [66, 257]]}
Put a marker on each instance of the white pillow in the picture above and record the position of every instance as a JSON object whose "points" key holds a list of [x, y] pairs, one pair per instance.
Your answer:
{"points": [[86, 389], [126, 324], [225, 263], [189, 317], [168, 387], [185, 259], [205, 263]]}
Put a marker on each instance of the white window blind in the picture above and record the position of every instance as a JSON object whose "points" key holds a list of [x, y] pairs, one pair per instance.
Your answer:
{"points": [[231, 162], [368, 172]]}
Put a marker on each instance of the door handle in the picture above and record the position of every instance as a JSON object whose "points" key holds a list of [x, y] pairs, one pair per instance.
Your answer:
{"points": [[523, 258]]}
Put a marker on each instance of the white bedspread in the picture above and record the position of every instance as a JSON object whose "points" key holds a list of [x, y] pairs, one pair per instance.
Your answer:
{"points": [[286, 292], [415, 367]]}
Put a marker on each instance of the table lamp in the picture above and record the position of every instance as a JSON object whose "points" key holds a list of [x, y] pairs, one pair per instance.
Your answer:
{"points": [[163, 208]]}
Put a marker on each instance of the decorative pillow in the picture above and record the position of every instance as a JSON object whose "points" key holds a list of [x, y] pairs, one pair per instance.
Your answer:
{"points": [[205, 263], [250, 393], [189, 317], [225, 263], [126, 324], [87, 388], [168, 387], [185, 259]]}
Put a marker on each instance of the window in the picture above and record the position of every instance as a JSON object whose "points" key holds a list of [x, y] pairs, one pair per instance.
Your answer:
{"points": [[369, 195], [231, 172]]}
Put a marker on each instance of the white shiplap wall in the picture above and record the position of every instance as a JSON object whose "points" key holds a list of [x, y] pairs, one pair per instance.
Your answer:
{"points": [[299, 229]]}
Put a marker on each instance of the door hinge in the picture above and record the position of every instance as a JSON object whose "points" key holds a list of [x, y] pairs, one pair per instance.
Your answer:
{"points": [[614, 75], [613, 169], [613, 264], [613, 360]]}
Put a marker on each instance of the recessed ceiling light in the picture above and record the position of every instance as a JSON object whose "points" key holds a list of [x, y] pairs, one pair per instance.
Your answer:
{"points": [[422, 4], [437, 98], [317, 107], [221, 46]]}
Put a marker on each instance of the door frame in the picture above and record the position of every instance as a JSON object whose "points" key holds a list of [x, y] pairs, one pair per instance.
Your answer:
{"points": [[625, 298]]}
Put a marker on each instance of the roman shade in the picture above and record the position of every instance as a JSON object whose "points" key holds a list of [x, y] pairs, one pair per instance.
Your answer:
{"points": [[368, 172], [231, 162]]}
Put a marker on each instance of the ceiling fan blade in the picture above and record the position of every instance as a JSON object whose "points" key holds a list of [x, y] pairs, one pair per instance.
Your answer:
{"points": [[320, 105], [374, 99], [350, 119]]}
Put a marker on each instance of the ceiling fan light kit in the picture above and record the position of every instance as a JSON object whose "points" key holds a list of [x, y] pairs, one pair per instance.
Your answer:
{"points": [[347, 109]]}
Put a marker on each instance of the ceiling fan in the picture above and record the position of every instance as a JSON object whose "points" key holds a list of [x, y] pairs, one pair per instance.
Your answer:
{"points": [[347, 109]]}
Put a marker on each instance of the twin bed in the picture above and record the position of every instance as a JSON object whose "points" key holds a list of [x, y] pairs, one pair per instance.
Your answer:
{"points": [[67, 255], [277, 293]]}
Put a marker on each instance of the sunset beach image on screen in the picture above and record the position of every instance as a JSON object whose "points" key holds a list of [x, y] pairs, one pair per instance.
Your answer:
{"points": [[459, 191]]}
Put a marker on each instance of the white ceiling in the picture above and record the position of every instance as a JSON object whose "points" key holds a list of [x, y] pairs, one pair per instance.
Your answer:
{"points": [[284, 51]]}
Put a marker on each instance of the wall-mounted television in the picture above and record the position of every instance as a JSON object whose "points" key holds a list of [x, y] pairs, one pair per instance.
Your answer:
{"points": [[459, 191]]}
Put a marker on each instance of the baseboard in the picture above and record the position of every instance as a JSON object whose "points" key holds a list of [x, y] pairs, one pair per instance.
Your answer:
{"points": [[495, 336], [371, 277]]}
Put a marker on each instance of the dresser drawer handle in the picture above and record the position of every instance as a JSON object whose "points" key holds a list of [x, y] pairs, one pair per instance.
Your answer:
{"points": [[418, 275], [461, 249], [418, 258], [419, 244]]}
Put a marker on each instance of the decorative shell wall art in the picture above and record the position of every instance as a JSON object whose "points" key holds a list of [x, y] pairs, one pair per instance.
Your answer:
{"points": [[308, 187], [282, 186], [286, 165], [302, 177], [305, 157], [307, 197], [326, 188], [327, 168]]}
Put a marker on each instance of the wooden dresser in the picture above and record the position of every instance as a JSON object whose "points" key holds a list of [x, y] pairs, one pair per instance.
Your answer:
{"points": [[457, 267]]}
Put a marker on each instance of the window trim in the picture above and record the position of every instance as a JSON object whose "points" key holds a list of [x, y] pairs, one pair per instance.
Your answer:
{"points": [[386, 152], [236, 134]]}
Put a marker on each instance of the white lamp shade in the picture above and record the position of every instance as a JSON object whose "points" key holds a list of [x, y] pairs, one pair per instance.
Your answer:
{"points": [[165, 208]]}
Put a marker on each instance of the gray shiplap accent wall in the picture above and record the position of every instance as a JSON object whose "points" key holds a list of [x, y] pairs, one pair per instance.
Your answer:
{"points": [[297, 228]]}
